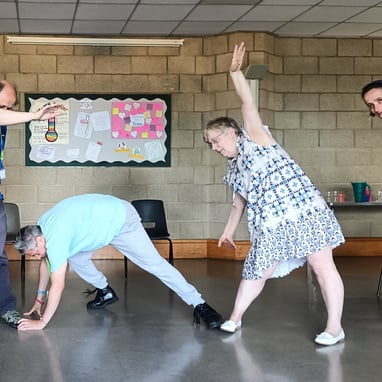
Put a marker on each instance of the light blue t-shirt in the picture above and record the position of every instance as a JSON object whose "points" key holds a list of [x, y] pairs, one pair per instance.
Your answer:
{"points": [[81, 223]]}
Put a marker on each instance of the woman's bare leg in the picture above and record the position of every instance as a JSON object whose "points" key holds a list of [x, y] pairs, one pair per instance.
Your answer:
{"points": [[247, 292], [332, 288]]}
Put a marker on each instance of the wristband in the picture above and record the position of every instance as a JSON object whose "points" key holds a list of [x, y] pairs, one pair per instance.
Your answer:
{"points": [[43, 292], [39, 301]]}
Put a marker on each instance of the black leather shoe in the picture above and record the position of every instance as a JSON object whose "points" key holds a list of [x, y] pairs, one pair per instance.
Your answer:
{"points": [[104, 297], [211, 317]]}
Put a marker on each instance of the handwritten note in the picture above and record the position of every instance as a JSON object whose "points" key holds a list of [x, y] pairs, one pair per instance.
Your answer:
{"points": [[83, 128]]}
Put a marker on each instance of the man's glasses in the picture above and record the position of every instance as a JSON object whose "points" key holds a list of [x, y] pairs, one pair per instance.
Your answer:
{"points": [[6, 107]]}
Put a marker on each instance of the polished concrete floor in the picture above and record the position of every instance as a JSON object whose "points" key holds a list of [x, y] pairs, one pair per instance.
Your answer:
{"points": [[147, 336]]}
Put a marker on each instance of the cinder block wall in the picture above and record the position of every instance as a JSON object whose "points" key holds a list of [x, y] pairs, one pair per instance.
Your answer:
{"points": [[322, 121], [309, 97]]}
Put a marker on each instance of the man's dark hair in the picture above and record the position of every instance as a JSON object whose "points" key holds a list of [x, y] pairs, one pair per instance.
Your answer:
{"points": [[377, 84]]}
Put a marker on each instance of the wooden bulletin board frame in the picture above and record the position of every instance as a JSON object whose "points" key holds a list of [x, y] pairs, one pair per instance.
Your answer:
{"points": [[101, 130]]}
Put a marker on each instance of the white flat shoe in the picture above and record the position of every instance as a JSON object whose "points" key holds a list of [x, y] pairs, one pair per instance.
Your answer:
{"points": [[230, 326], [327, 339]]}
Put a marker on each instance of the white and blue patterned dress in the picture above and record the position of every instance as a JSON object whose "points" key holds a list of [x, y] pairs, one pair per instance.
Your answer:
{"points": [[287, 217]]}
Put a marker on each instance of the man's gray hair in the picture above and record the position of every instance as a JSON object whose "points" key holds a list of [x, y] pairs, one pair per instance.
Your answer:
{"points": [[26, 239]]}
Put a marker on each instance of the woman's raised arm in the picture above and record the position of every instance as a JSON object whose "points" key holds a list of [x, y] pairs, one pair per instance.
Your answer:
{"points": [[253, 124]]}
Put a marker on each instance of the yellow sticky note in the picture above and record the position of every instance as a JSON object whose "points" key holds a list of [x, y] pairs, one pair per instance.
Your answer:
{"points": [[115, 111], [145, 134]]}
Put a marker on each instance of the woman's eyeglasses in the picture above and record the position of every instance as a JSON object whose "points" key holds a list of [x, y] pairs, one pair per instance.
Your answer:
{"points": [[215, 140]]}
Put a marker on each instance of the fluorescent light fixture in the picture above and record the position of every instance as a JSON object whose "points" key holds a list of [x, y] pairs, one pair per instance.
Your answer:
{"points": [[41, 40]]}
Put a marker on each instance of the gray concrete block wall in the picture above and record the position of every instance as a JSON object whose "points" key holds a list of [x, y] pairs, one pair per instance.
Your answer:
{"points": [[321, 83], [310, 98]]}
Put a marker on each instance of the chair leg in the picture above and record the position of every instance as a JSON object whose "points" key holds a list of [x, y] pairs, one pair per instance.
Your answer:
{"points": [[171, 253], [379, 284], [125, 266], [22, 268]]}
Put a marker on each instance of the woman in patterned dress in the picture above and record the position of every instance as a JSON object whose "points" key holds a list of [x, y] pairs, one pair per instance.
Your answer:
{"points": [[288, 220]]}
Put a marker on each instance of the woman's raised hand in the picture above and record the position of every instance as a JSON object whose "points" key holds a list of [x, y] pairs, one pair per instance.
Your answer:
{"points": [[237, 57]]}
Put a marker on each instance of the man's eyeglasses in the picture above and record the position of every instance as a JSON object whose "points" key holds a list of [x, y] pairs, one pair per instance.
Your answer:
{"points": [[6, 107]]}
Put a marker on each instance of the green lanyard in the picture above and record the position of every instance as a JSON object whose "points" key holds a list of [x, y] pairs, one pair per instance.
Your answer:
{"points": [[48, 264]]}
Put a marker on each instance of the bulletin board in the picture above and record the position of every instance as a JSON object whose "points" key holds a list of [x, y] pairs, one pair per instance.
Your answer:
{"points": [[100, 130]]}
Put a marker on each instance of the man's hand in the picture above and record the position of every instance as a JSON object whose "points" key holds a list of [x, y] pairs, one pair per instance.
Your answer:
{"points": [[26, 324], [36, 308], [48, 111]]}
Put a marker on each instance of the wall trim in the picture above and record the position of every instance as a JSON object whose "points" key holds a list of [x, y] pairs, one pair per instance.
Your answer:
{"points": [[208, 249], [360, 246]]}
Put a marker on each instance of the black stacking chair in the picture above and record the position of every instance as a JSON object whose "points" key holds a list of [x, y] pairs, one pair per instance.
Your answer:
{"points": [[13, 228], [154, 221]]}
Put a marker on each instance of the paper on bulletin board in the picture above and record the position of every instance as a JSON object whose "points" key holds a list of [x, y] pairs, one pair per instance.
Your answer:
{"points": [[138, 120], [95, 130], [40, 129]]}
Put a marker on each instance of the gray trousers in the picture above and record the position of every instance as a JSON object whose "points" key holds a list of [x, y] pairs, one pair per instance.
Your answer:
{"points": [[134, 243]]}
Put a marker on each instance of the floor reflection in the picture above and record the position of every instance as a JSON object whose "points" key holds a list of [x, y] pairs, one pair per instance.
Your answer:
{"points": [[147, 336], [40, 349]]}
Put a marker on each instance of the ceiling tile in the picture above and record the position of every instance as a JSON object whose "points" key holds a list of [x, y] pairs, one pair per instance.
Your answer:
{"points": [[104, 12], [303, 29], [8, 11], [202, 28], [331, 14], [172, 2], [193, 17], [274, 13], [364, 3], [158, 12], [158, 28], [229, 2], [352, 29], [9, 25], [377, 33], [373, 15], [48, 2], [262, 26], [109, 2], [43, 11], [98, 27], [45, 26], [217, 12], [290, 2]]}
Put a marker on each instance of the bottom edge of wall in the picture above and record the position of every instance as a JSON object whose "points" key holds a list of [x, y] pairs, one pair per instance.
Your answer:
{"points": [[208, 249]]}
